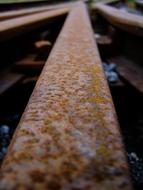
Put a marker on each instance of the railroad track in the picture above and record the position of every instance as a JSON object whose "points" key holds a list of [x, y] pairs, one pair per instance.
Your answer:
{"points": [[17, 13], [120, 17], [12, 27], [68, 137]]}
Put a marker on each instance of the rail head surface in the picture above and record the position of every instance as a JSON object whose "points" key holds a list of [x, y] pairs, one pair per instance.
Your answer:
{"points": [[68, 137]]}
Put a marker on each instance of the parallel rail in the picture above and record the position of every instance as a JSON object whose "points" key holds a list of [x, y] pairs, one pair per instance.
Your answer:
{"points": [[12, 14], [129, 22], [13, 27], [68, 137]]}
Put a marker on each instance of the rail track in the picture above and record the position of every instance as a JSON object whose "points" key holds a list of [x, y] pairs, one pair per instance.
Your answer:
{"points": [[68, 137], [124, 20], [11, 27], [17, 13]]}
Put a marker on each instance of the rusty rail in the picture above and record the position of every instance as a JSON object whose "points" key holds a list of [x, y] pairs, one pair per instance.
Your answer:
{"points": [[68, 137], [12, 14], [17, 26], [129, 22]]}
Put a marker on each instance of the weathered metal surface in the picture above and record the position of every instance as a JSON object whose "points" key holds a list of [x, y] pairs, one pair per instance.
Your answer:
{"points": [[131, 72], [17, 26], [11, 14], [68, 137], [129, 22]]}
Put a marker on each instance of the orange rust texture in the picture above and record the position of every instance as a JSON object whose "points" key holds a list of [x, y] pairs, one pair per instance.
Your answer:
{"points": [[68, 137]]}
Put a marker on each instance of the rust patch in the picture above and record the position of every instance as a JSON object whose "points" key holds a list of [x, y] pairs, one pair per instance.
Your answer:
{"points": [[70, 113]]}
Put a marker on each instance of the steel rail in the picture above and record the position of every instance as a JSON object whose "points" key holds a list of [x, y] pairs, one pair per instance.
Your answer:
{"points": [[68, 137], [12, 14], [129, 22], [17, 26]]}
